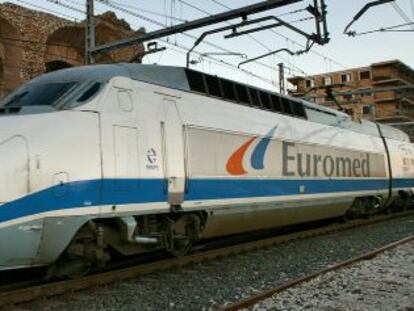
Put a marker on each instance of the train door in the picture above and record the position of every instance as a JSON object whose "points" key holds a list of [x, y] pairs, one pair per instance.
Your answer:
{"points": [[174, 155], [119, 134]]}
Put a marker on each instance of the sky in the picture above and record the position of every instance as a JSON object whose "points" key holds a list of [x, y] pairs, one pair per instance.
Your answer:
{"points": [[340, 53]]}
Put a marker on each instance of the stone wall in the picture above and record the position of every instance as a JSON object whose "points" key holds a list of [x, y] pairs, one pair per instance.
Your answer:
{"points": [[32, 43]]}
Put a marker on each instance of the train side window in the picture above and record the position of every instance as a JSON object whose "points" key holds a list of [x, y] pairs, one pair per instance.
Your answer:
{"points": [[265, 98], [286, 105], [213, 85], [196, 81], [277, 106], [228, 90], [255, 98], [242, 94]]}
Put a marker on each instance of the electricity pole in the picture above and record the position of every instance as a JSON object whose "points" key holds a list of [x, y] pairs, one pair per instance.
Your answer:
{"points": [[89, 33], [282, 78]]}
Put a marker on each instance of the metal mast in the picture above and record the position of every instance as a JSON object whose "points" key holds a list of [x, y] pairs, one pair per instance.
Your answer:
{"points": [[89, 33], [282, 78]]}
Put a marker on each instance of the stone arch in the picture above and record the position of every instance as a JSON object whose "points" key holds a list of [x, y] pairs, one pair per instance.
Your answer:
{"points": [[56, 65], [109, 29], [11, 52], [64, 47]]}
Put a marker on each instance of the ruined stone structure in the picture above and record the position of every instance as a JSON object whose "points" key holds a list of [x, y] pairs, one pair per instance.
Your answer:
{"points": [[33, 42]]}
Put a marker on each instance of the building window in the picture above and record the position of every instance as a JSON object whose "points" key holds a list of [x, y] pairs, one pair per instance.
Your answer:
{"points": [[310, 83], [346, 77], [368, 109], [364, 75], [327, 80], [366, 92]]}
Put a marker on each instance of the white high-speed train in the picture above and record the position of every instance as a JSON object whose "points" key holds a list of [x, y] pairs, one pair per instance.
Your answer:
{"points": [[131, 158]]}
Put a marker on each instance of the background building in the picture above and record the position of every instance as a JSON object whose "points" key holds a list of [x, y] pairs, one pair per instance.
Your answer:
{"points": [[382, 92], [32, 43]]}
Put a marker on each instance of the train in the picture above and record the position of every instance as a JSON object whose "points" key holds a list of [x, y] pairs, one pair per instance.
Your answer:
{"points": [[123, 159]]}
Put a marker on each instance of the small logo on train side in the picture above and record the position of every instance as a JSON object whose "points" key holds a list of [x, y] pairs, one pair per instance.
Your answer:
{"points": [[151, 155], [235, 162], [152, 159]]}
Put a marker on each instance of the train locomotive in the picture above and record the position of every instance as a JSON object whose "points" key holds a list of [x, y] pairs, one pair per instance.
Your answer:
{"points": [[126, 159]]}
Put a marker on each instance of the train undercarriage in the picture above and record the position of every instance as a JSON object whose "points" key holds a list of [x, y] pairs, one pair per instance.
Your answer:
{"points": [[98, 241]]}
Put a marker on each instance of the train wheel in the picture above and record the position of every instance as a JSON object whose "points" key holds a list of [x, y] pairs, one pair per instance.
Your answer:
{"points": [[181, 247], [86, 252], [69, 269], [182, 232]]}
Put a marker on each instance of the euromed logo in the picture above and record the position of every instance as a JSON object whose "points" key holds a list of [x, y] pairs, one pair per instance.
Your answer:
{"points": [[316, 164], [235, 162], [304, 160]]}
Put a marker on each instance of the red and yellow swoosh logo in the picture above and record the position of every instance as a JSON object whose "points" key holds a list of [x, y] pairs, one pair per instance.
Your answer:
{"points": [[234, 164]]}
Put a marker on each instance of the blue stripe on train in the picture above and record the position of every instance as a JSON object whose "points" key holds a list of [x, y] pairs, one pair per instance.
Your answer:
{"points": [[84, 194], [129, 191], [245, 188]]}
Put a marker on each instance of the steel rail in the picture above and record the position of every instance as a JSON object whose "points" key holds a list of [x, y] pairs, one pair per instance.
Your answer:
{"points": [[248, 302], [26, 294]]}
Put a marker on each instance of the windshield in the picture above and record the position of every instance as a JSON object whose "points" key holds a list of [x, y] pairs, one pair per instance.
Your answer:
{"points": [[47, 94]]}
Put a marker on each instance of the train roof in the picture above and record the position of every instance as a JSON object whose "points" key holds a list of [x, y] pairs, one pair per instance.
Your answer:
{"points": [[193, 81]]}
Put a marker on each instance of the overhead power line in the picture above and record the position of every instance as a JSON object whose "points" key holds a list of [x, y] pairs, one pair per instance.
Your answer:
{"points": [[48, 10], [400, 12], [142, 10], [395, 28], [291, 40], [123, 9], [183, 49], [179, 48], [209, 14], [412, 7], [300, 70]]}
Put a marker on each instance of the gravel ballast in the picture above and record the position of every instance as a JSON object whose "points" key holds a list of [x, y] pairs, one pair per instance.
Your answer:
{"points": [[210, 285], [383, 283]]}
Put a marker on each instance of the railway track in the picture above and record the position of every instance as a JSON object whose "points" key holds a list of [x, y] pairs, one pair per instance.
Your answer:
{"points": [[250, 301], [27, 293]]}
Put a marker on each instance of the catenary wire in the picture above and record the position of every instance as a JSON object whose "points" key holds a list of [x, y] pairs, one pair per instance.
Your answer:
{"points": [[400, 12], [291, 40], [384, 29], [215, 60], [249, 35], [106, 2], [206, 42], [183, 48], [47, 9]]}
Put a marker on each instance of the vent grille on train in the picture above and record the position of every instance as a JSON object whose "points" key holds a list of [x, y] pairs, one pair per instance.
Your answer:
{"points": [[243, 94]]}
